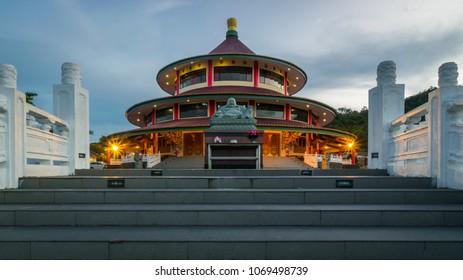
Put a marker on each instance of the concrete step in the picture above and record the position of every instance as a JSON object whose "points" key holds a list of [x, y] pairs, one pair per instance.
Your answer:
{"points": [[230, 214], [231, 172], [231, 196], [231, 242], [224, 182]]}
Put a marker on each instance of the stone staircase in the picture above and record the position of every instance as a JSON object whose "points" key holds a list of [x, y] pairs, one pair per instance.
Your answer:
{"points": [[197, 162], [230, 214]]}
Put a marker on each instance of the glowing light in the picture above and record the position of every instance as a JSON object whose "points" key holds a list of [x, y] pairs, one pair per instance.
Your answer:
{"points": [[115, 148], [167, 75]]}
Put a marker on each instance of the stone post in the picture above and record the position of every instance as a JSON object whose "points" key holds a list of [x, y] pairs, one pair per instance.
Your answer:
{"points": [[12, 129], [71, 103], [446, 129], [385, 104]]}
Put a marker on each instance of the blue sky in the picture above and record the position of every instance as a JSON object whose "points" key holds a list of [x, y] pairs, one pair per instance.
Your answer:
{"points": [[120, 44]]}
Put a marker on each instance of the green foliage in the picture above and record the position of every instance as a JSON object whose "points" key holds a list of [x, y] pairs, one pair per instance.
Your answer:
{"points": [[30, 97], [418, 99], [99, 148], [354, 122]]}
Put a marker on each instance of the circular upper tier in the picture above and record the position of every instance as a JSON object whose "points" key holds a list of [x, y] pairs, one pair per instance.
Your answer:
{"points": [[231, 64]]}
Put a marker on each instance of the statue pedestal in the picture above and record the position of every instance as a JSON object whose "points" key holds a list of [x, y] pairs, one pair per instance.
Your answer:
{"points": [[233, 149]]}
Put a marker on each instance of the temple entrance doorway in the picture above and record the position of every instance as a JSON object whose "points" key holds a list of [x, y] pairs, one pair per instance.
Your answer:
{"points": [[193, 144], [271, 145]]}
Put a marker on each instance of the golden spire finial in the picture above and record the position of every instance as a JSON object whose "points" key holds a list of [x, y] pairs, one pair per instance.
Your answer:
{"points": [[231, 23]]}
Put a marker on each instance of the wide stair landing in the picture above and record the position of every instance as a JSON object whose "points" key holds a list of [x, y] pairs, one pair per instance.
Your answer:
{"points": [[234, 214], [197, 162]]}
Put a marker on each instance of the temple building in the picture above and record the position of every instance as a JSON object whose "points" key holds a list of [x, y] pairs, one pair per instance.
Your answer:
{"points": [[197, 86]]}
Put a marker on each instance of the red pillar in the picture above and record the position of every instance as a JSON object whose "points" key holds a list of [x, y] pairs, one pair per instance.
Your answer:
{"points": [[108, 156], [177, 84], [285, 84], [353, 157], [256, 73], [209, 73], [310, 117], [288, 112], [211, 107], [176, 111]]}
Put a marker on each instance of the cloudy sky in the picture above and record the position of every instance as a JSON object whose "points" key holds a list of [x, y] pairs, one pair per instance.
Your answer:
{"points": [[121, 44]]}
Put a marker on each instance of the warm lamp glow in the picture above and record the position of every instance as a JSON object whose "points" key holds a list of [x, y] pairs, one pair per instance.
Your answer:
{"points": [[115, 148]]}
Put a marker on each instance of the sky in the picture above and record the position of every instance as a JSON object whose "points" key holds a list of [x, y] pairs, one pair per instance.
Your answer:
{"points": [[120, 45]]}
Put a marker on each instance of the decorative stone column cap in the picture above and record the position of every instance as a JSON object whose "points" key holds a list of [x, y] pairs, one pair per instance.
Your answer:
{"points": [[7, 76], [386, 73], [70, 74], [448, 75]]}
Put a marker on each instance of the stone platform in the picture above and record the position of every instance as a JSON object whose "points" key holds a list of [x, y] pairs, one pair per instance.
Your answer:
{"points": [[237, 214]]}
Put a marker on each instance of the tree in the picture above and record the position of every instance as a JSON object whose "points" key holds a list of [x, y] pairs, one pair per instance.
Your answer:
{"points": [[418, 99], [30, 97], [99, 148], [354, 122]]}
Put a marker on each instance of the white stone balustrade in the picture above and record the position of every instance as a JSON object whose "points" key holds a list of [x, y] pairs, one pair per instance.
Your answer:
{"points": [[312, 160], [152, 160], [34, 142], [427, 141]]}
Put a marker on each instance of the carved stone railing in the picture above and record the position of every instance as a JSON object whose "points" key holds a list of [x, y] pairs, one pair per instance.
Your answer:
{"points": [[427, 141], [34, 142], [152, 160], [312, 160], [47, 149], [409, 144]]}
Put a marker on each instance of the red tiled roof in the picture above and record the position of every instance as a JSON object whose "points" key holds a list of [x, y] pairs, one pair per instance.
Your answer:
{"points": [[231, 45], [179, 123], [282, 123], [204, 123]]}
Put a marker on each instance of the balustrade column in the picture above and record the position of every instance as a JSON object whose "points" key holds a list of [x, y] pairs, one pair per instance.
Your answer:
{"points": [[12, 129]]}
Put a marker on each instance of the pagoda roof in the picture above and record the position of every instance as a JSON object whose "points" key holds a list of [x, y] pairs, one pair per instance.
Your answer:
{"points": [[236, 92], [230, 48], [204, 123], [232, 45]]}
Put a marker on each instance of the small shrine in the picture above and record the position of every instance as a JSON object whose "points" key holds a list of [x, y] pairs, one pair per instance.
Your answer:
{"points": [[233, 141]]}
